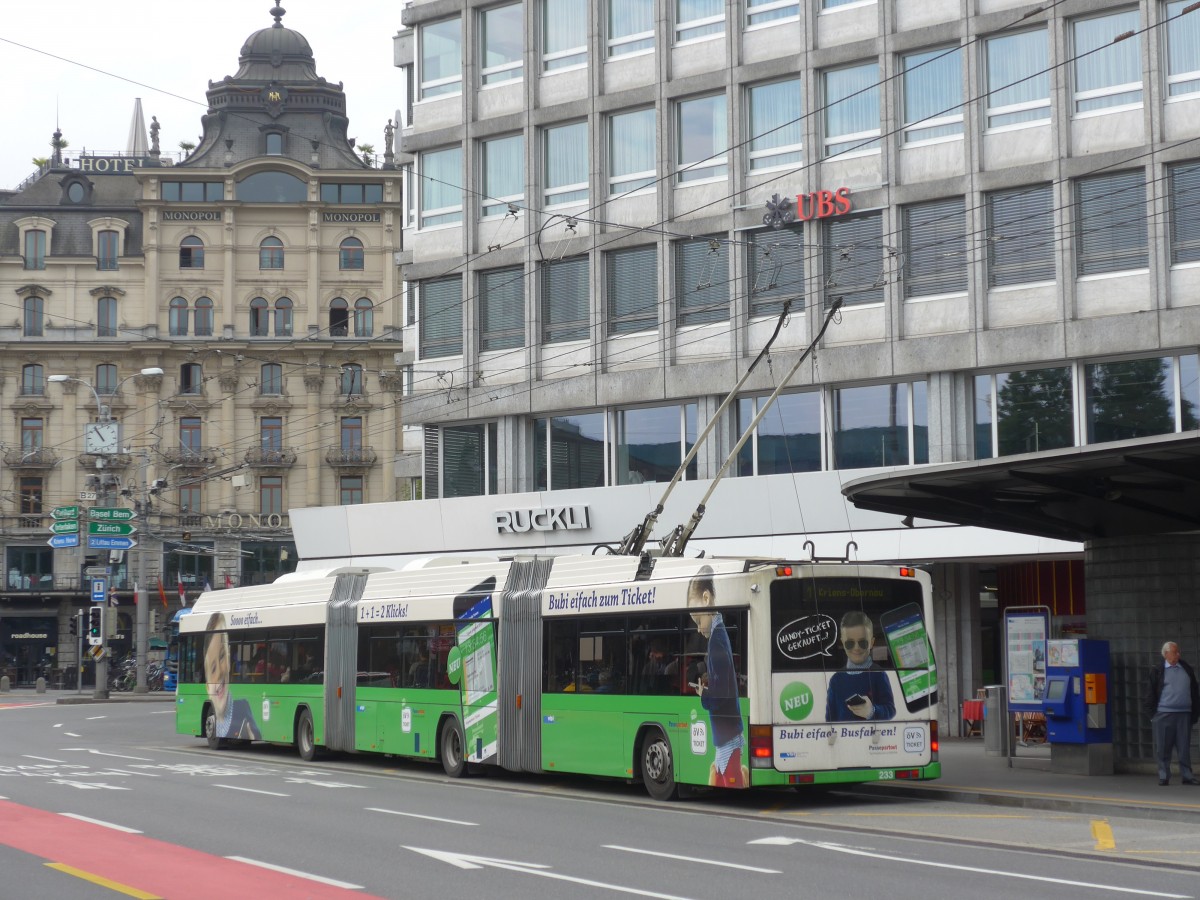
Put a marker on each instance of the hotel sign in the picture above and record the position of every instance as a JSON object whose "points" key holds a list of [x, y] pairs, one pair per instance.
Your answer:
{"points": [[544, 518], [191, 215], [115, 165], [350, 217]]}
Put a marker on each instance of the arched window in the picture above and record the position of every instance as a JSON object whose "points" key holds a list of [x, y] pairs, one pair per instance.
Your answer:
{"points": [[35, 249], [283, 317], [260, 318], [106, 379], [178, 318], [339, 315], [271, 187], [191, 378], [274, 143], [106, 317], [352, 379], [364, 317], [271, 381], [108, 244], [33, 379], [35, 311], [351, 254], [191, 253], [204, 317], [270, 253]]}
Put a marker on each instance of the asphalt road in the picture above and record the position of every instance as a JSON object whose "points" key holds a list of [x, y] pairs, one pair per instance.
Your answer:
{"points": [[107, 801]]}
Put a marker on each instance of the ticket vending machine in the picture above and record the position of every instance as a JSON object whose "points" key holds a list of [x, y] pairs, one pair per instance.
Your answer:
{"points": [[1075, 700]]}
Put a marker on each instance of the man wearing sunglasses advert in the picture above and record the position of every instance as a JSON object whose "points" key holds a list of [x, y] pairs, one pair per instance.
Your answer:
{"points": [[862, 690]]}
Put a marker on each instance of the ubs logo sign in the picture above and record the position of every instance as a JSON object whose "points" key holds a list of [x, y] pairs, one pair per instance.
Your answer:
{"points": [[545, 518]]}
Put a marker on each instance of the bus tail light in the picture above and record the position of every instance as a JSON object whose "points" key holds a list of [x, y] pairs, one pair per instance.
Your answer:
{"points": [[908, 572], [910, 774], [933, 740], [762, 750], [783, 571], [802, 778]]}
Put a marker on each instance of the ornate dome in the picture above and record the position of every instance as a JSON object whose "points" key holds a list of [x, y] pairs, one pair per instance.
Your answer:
{"points": [[277, 48]]}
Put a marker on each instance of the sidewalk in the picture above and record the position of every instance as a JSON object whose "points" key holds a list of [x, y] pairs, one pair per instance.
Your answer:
{"points": [[971, 775], [27, 695]]}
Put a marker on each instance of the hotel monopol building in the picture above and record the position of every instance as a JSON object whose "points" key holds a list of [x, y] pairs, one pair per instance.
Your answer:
{"points": [[611, 201]]}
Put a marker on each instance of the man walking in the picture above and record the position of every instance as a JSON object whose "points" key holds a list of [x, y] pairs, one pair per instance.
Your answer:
{"points": [[1174, 703]]}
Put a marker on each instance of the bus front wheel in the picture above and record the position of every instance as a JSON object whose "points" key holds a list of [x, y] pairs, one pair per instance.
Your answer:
{"points": [[210, 729], [658, 768], [306, 743], [453, 759]]}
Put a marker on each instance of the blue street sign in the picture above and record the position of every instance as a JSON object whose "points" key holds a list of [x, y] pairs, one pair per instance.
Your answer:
{"points": [[99, 589], [60, 541], [102, 542]]}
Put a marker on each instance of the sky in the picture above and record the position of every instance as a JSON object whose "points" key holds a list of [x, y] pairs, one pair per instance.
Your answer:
{"points": [[173, 51]]}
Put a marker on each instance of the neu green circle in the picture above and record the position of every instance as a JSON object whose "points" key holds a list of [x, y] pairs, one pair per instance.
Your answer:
{"points": [[796, 701]]}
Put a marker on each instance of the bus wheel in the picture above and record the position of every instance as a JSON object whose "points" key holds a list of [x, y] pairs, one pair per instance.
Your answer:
{"points": [[453, 759], [306, 743], [210, 729], [658, 769]]}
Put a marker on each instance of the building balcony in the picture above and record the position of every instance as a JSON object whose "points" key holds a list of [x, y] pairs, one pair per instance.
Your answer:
{"points": [[111, 460], [262, 458], [40, 458], [350, 458], [192, 457]]}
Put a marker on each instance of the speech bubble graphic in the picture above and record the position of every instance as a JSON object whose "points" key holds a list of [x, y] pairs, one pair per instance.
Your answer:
{"points": [[807, 637]]}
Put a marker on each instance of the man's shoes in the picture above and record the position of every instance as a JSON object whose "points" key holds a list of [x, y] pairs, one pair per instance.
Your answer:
{"points": [[1162, 782], [1192, 781]]}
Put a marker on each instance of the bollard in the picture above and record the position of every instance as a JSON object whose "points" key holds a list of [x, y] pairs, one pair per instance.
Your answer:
{"points": [[3, 684], [40, 686]]}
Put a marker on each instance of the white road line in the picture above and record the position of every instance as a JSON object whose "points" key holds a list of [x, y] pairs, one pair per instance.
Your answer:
{"points": [[396, 812], [163, 712], [43, 758], [59, 725], [693, 859], [101, 822], [72, 734], [234, 787], [94, 718], [296, 872], [102, 753]]}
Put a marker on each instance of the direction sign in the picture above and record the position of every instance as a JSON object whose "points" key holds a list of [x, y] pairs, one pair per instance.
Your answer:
{"points": [[64, 512], [65, 526], [111, 514], [62, 541], [111, 528], [97, 542]]}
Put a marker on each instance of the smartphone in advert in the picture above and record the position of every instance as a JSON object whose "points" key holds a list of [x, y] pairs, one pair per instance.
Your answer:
{"points": [[908, 642]]}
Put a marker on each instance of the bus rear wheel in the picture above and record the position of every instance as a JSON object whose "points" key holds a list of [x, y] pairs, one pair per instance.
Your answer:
{"points": [[658, 768], [210, 729], [306, 743], [453, 759]]}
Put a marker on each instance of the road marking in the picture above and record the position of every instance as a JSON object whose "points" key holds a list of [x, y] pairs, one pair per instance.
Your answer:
{"points": [[102, 753], [234, 787], [396, 812], [163, 712], [59, 725], [72, 734], [101, 822], [286, 871], [1103, 835], [328, 784], [94, 718], [103, 882], [693, 859], [464, 861], [784, 841], [45, 758], [88, 785]]}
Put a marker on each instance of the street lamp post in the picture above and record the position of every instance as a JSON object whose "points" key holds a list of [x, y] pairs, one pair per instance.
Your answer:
{"points": [[103, 439]]}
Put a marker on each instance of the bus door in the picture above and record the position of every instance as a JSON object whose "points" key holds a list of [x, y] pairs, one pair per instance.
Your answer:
{"points": [[472, 666]]}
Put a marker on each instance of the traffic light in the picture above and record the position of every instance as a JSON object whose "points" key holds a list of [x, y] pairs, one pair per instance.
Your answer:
{"points": [[74, 625], [96, 625]]}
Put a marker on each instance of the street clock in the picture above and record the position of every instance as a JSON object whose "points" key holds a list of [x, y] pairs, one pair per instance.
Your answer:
{"points": [[102, 438]]}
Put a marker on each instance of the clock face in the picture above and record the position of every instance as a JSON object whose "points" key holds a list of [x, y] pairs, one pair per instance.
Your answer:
{"points": [[102, 437]]}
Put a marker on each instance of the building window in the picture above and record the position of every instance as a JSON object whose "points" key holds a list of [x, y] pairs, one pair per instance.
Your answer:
{"points": [[1184, 183], [880, 425], [853, 254], [204, 317], [503, 174], [177, 316], [339, 317], [440, 172], [270, 253], [34, 312], [630, 26], [1024, 412], [1136, 398], [270, 379], [502, 308], [1111, 228], [631, 151], [933, 95], [351, 381], [274, 143], [33, 380], [574, 446], [106, 317], [364, 317], [32, 431], [566, 164], [191, 253], [776, 124], [1183, 49], [631, 282], [702, 138], [191, 379], [356, 193], [565, 300], [270, 433], [651, 442], [271, 187], [35, 249], [350, 254], [350, 490], [698, 18], [440, 320], [190, 435], [564, 33], [1020, 236], [701, 281], [107, 248], [192, 191], [502, 30], [935, 247], [190, 500], [32, 490], [852, 109], [441, 58], [767, 12], [283, 317], [106, 379], [350, 433], [270, 495], [776, 269], [469, 460], [1108, 72], [786, 439], [260, 318], [1018, 78]]}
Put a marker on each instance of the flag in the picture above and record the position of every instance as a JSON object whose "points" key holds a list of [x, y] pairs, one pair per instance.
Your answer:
{"points": [[162, 595], [182, 594], [228, 581], [112, 596], [135, 593]]}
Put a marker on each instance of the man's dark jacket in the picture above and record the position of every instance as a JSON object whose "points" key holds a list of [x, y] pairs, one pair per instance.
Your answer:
{"points": [[1156, 684]]}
